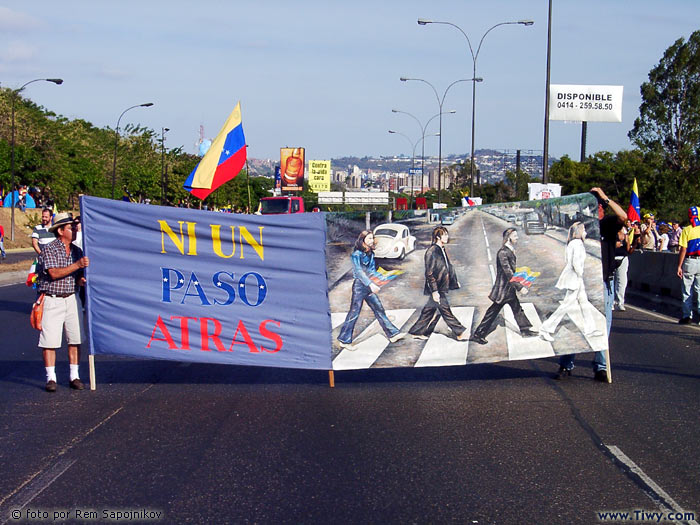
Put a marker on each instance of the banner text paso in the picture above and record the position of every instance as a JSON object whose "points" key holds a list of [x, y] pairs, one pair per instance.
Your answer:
{"points": [[184, 286]]}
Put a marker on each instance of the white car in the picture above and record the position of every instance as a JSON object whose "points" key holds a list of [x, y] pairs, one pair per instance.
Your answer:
{"points": [[393, 241]]}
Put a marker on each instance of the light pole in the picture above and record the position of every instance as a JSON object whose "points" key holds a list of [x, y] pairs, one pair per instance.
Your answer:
{"points": [[440, 102], [422, 22], [162, 165], [15, 93], [413, 159], [422, 129], [116, 141]]}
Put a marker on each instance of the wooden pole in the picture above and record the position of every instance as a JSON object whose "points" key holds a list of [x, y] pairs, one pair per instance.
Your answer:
{"points": [[331, 379], [91, 364], [607, 364]]}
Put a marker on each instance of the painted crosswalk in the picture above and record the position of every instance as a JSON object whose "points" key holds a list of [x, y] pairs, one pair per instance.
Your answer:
{"points": [[370, 343], [443, 349]]}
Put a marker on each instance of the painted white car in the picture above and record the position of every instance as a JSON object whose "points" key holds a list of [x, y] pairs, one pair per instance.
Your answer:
{"points": [[393, 241]]}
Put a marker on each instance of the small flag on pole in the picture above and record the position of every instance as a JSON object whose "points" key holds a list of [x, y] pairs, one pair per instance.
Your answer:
{"points": [[634, 212], [223, 161]]}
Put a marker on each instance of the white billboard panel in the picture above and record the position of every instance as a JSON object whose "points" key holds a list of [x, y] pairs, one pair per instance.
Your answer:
{"points": [[585, 103]]}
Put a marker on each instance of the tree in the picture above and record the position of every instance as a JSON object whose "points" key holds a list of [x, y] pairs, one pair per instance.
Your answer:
{"points": [[668, 126]]}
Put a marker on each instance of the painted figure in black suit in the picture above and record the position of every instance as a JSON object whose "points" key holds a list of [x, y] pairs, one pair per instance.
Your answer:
{"points": [[440, 277], [504, 292]]}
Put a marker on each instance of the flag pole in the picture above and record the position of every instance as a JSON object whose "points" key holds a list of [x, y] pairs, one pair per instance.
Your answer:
{"points": [[247, 174]]}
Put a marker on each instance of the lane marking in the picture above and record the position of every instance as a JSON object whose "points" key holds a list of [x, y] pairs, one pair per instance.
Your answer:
{"points": [[75, 441], [662, 496], [37, 485]]}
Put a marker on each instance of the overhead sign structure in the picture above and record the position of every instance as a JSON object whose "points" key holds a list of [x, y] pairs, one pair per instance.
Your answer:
{"points": [[292, 169], [577, 103], [319, 175]]}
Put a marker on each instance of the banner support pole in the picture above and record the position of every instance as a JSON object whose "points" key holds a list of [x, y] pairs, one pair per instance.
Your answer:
{"points": [[91, 364], [331, 379], [607, 364]]}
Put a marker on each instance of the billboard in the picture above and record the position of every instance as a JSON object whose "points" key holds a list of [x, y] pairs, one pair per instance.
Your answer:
{"points": [[292, 169], [319, 175], [578, 103]]}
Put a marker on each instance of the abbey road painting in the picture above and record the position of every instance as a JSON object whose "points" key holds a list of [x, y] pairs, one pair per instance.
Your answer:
{"points": [[465, 285]]}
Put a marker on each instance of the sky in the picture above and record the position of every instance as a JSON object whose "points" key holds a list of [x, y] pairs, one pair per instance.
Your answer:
{"points": [[324, 75]]}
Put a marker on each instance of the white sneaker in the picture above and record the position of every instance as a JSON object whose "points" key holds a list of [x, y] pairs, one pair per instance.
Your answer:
{"points": [[346, 346], [621, 308], [546, 336], [397, 337]]}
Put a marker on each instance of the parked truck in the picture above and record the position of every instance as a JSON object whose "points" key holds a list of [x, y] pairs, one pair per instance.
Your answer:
{"points": [[281, 205]]}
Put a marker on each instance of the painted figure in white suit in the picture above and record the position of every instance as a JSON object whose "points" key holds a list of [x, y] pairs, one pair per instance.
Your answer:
{"points": [[571, 280]]}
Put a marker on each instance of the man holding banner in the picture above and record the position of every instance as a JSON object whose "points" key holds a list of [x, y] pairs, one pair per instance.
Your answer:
{"points": [[62, 263]]}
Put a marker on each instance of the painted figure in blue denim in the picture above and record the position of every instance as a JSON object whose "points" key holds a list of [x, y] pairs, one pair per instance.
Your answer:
{"points": [[364, 290]]}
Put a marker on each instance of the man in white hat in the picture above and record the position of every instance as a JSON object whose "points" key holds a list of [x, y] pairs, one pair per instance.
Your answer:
{"points": [[61, 272]]}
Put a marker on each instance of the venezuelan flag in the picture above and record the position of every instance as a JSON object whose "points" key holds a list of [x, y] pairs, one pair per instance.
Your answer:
{"points": [[525, 276], [224, 160], [633, 212], [381, 276]]}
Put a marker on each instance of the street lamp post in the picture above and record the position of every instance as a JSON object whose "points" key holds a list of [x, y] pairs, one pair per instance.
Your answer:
{"points": [[440, 102], [14, 94], [422, 22], [116, 141], [162, 165], [423, 129]]}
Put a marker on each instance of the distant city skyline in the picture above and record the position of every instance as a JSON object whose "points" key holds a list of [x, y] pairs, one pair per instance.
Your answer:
{"points": [[325, 75]]}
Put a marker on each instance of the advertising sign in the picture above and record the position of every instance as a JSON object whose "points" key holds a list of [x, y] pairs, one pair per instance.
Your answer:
{"points": [[319, 175], [292, 169], [538, 191], [585, 103]]}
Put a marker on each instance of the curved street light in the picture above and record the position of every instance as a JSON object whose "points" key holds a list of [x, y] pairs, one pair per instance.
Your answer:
{"points": [[15, 92], [413, 150], [116, 141], [475, 56], [422, 129], [163, 182], [440, 102]]}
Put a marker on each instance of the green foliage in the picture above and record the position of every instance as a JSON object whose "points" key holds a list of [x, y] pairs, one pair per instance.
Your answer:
{"points": [[668, 127]]}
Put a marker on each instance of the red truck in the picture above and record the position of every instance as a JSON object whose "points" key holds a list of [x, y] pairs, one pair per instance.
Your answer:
{"points": [[281, 205]]}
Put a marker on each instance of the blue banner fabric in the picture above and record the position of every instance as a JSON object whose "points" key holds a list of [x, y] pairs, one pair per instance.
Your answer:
{"points": [[191, 285]]}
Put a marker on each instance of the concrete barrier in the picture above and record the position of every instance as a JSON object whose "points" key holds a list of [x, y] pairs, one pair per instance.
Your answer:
{"points": [[654, 272]]}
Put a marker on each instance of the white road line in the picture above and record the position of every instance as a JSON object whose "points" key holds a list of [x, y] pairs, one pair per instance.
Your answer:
{"points": [[38, 485], [370, 344], [659, 316], [442, 350], [493, 274], [662, 495], [520, 347]]}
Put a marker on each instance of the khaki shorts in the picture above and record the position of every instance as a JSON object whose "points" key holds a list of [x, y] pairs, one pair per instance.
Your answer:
{"points": [[61, 315]]}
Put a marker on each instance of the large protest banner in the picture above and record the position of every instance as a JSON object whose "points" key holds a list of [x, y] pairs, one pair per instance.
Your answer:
{"points": [[189, 285], [515, 281]]}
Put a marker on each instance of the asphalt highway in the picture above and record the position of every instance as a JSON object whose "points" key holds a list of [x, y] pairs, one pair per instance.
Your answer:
{"points": [[164, 442]]}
